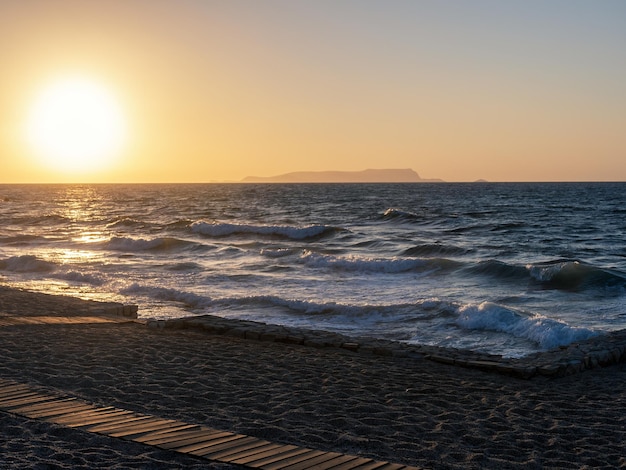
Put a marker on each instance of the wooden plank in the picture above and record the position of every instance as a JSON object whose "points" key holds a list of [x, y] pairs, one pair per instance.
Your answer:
{"points": [[334, 463], [11, 401], [166, 427], [258, 463], [165, 432], [183, 437], [51, 403], [374, 465], [122, 420], [61, 411], [293, 460], [173, 436], [201, 445], [9, 387], [231, 445], [23, 400], [108, 428], [394, 466], [73, 417], [143, 428], [204, 437], [100, 419], [312, 463], [280, 449], [243, 449], [250, 454], [358, 462]]}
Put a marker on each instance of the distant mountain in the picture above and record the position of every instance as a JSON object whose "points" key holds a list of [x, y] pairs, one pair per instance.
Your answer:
{"points": [[366, 176]]}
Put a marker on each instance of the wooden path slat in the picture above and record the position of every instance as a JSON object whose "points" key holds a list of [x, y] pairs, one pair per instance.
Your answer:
{"points": [[237, 450], [194, 439], [85, 414], [353, 464], [60, 410], [217, 452], [165, 432], [276, 457], [15, 402], [6, 388], [293, 460], [165, 437], [202, 436], [108, 428], [193, 448], [166, 426], [143, 429], [243, 454], [374, 466], [99, 419], [279, 449], [335, 462], [312, 463], [229, 446], [49, 403]]}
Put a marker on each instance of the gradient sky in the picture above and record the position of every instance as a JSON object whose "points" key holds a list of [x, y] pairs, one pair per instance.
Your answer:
{"points": [[530, 90]]}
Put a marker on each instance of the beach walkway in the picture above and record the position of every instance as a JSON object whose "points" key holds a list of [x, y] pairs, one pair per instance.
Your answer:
{"points": [[87, 385], [186, 438]]}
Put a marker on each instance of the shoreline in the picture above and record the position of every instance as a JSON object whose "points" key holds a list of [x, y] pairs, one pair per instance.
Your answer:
{"points": [[389, 407]]}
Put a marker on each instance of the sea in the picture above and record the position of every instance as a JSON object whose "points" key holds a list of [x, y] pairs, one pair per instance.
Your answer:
{"points": [[504, 268]]}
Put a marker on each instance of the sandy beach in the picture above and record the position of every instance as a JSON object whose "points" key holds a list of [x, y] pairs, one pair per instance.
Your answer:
{"points": [[403, 410]]}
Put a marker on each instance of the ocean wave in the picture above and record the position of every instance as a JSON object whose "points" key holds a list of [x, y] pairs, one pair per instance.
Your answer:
{"points": [[400, 215], [434, 249], [277, 252], [75, 276], [126, 222], [376, 265], [575, 276], [19, 240], [545, 332], [364, 313], [26, 264], [140, 244], [354, 263], [285, 231], [189, 299], [499, 270]]}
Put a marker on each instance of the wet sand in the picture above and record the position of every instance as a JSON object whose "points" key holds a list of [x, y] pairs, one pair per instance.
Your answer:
{"points": [[402, 410]]}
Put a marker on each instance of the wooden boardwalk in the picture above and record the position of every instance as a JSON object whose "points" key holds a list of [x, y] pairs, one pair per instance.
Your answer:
{"points": [[175, 435]]}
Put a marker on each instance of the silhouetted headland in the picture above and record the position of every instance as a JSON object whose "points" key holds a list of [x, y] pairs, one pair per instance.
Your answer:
{"points": [[406, 175]]}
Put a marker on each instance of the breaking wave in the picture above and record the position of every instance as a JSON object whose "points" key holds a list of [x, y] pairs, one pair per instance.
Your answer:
{"points": [[575, 276], [140, 244], [545, 332], [284, 231], [26, 264], [374, 265]]}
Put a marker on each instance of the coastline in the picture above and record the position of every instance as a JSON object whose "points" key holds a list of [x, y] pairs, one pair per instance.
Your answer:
{"points": [[389, 407]]}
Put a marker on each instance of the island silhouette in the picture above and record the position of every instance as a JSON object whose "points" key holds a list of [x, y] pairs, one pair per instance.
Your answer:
{"points": [[405, 175]]}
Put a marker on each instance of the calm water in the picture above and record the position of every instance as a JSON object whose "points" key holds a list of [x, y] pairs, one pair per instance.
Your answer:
{"points": [[506, 268]]}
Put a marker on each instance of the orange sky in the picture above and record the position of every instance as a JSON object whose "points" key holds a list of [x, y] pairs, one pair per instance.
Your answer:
{"points": [[218, 90]]}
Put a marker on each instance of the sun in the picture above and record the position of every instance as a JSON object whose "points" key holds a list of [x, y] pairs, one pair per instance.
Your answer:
{"points": [[76, 125]]}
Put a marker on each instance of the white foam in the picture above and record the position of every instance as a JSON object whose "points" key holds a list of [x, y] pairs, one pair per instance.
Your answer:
{"points": [[364, 264], [26, 264], [74, 276], [546, 332], [162, 293], [223, 229]]}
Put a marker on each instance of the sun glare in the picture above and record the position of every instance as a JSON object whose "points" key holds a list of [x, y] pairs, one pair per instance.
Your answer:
{"points": [[76, 125]]}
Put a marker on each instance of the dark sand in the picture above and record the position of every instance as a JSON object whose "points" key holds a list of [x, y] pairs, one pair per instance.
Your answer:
{"points": [[401, 410]]}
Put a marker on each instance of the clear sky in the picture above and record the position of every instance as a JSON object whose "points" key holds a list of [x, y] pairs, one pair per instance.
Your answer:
{"points": [[201, 90]]}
